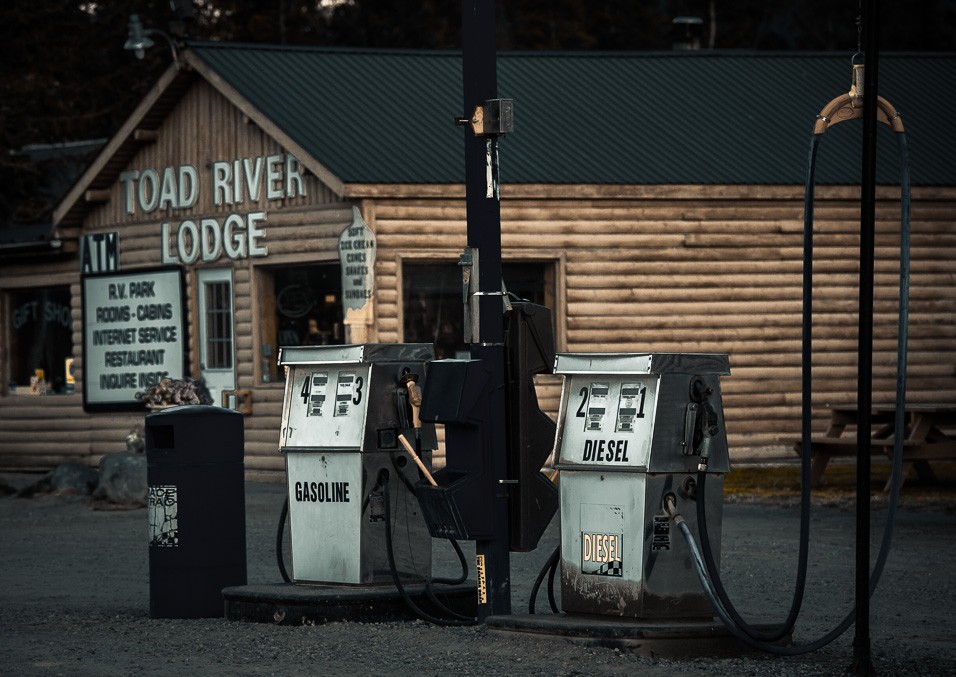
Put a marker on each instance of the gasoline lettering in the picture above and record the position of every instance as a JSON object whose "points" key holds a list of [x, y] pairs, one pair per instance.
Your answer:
{"points": [[322, 492]]}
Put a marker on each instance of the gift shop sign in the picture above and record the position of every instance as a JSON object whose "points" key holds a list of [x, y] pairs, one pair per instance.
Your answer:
{"points": [[133, 335], [235, 234]]}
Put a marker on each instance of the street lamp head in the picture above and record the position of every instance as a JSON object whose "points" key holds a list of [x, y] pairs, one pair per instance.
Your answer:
{"points": [[137, 40]]}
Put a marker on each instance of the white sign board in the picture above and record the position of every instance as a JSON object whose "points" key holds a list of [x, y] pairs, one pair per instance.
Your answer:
{"points": [[357, 257], [133, 335]]}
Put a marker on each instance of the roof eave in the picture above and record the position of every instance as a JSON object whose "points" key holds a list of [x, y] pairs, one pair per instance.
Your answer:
{"points": [[119, 150]]}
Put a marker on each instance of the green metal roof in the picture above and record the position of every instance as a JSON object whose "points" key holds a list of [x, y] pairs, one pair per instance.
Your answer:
{"points": [[386, 116]]}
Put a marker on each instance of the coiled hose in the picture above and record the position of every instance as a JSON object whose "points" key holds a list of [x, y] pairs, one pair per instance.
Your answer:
{"points": [[707, 565]]}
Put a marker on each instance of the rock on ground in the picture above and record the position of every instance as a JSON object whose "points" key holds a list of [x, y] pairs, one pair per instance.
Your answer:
{"points": [[65, 479], [122, 482]]}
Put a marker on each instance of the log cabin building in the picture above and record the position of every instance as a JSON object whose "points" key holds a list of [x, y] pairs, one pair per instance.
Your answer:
{"points": [[262, 196]]}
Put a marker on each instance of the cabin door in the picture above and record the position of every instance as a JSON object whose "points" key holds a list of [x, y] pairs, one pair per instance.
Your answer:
{"points": [[217, 353]]}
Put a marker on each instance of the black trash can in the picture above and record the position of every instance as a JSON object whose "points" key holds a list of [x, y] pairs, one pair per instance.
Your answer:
{"points": [[197, 509]]}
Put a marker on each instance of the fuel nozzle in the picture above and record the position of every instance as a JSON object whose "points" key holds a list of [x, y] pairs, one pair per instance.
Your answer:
{"points": [[409, 381], [701, 422], [707, 422]]}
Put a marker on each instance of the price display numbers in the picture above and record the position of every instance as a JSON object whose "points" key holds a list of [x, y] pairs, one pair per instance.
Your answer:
{"points": [[313, 392]]}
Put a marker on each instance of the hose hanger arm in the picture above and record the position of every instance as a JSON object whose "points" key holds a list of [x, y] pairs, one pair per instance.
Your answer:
{"points": [[847, 107]]}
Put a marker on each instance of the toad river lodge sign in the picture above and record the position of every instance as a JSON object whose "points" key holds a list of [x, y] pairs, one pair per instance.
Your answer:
{"points": [[235, 234]]}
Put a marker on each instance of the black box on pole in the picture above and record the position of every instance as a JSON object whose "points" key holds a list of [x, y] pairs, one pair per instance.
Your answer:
{"points": [[533, 498], [456, 395], [197, 509]]}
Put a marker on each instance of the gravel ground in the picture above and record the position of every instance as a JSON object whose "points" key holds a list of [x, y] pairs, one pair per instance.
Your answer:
{"points": [[74, 601]]}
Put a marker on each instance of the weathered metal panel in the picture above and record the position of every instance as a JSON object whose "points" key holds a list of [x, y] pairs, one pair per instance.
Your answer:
{"points": [[621, 554]]}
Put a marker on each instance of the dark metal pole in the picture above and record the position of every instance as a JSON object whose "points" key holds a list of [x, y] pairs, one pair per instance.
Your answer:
{"points": [[862, 661], [484, 233]]}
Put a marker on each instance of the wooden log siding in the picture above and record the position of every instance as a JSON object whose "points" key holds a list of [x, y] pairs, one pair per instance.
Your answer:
{"points": [[712, 269], [646, 268]]}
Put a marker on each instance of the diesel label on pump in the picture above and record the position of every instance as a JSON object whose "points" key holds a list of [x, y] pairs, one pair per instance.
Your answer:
{"points": [[605, 451], [602, 540]]}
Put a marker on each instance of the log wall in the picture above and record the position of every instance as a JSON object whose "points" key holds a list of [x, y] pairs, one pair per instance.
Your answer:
{"points": [[713, 269]]}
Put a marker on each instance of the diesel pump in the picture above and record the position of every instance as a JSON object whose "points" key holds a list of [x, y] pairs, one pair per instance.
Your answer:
{"points": [[631, 430], [641, 446]]}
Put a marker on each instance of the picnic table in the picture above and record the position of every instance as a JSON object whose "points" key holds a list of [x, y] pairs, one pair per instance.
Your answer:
{"points": [[928, 437]]}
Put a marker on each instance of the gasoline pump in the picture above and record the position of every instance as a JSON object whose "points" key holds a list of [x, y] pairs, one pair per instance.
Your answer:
{"points": [[345, 413]]}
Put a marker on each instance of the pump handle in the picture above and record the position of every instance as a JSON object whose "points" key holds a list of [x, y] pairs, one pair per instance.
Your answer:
{"points": [[418, 461]]}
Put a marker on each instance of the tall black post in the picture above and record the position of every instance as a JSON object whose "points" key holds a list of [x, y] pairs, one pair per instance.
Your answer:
{"points": [[862, 661], [479, 70]]}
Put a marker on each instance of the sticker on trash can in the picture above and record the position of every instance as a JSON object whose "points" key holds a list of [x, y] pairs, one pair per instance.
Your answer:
{"points": [[162, 507]]}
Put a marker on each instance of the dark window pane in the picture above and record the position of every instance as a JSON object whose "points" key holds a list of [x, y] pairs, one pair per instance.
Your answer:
{"points": [[432, 301], [40, 335], [218, 326], [309, 305]]}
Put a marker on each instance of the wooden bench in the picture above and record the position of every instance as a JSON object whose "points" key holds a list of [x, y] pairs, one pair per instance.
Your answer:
{"points": [[926, 439]]}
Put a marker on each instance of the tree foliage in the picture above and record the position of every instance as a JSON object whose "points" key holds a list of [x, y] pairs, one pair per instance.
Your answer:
{"points": [[65, 75]]}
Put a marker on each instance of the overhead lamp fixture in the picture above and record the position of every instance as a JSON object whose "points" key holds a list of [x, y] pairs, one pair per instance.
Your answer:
{"points": [[138, 40]]}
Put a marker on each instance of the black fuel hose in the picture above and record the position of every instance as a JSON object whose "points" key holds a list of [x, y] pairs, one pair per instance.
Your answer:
{"points": [[409, 602], [721, 601], [549, 569], [551, 572], [280, 533], [463, 576], [800, 585]]}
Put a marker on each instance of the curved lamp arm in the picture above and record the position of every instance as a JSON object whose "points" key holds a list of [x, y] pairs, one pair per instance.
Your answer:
{"points": [[138, 39]]}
